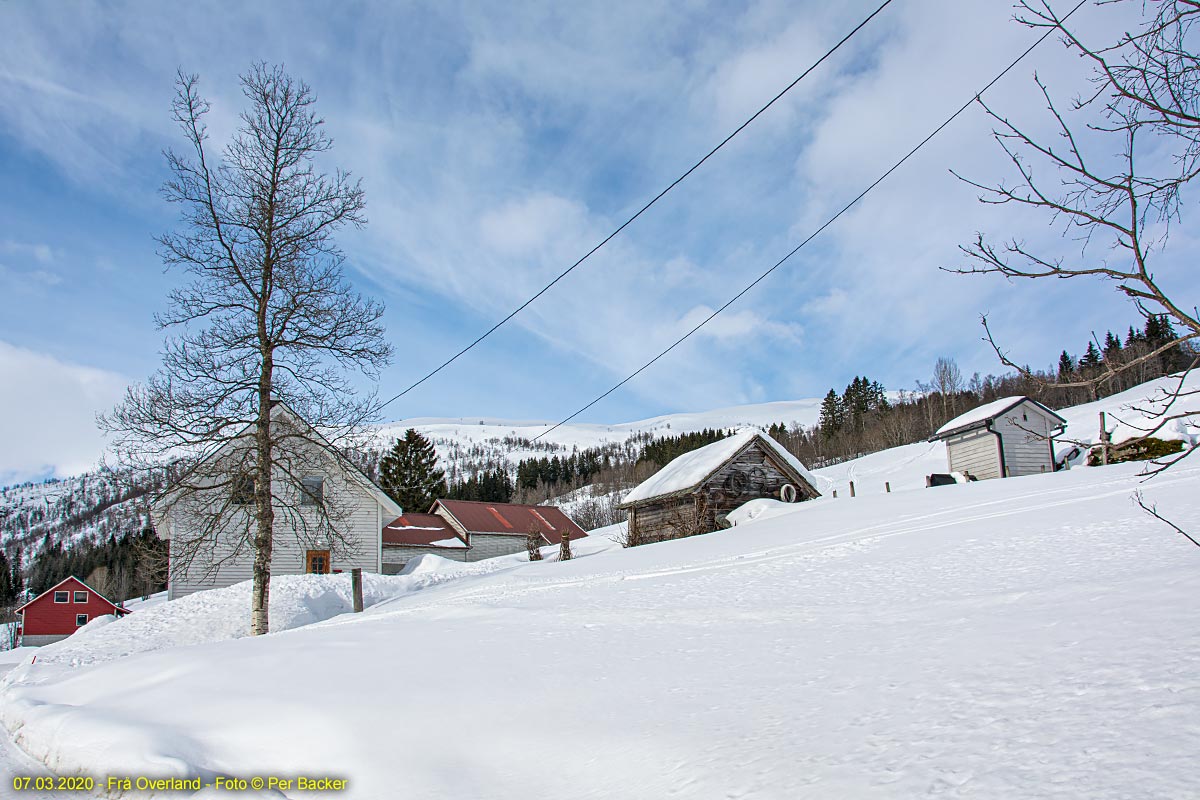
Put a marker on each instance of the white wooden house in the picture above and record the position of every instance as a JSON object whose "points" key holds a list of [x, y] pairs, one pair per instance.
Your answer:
{"points": [[1006, 438], [321, 473]]}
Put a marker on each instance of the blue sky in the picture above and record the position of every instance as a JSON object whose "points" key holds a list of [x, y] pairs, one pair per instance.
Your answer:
{"points": [[499, 142]]}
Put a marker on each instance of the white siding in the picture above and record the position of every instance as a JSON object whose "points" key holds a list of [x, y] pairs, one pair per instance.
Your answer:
{"points": [[358, 543], [1025, 431], [976, 452]]}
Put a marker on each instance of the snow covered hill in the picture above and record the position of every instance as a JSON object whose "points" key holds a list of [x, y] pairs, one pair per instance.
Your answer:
{"points": [[581, 435], [1029, 637], [468, 443]]}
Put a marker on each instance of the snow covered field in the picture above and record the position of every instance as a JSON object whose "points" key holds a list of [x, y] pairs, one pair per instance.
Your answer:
{"points": [[1031, 637]]}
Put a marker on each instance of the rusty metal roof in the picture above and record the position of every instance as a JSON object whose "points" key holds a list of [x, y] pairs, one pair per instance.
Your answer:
{"points": [[425, 530], [511, 518]]}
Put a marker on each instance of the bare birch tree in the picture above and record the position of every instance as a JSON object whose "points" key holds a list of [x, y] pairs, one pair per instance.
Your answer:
{"points": [[1144, 106], [266, 323]]}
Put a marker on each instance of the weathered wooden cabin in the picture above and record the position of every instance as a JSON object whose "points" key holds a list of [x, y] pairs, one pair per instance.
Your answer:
{"points": [[1006, 438], [693, 493]]}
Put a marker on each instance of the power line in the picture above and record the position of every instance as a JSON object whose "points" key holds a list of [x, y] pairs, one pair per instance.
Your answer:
{"points": [[641, 211], [817, 232]]}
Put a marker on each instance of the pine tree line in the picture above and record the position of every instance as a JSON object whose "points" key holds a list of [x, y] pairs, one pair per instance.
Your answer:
{"points": [[119, 567], [1117, 352], [853, 409], [489, 486], [663, 451]]}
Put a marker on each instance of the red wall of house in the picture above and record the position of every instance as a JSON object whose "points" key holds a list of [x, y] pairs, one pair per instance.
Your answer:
{"points": [[44, 616]]}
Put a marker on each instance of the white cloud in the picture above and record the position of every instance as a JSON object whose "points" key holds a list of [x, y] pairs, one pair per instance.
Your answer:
{"points": [[47, 414], [529, 226]]}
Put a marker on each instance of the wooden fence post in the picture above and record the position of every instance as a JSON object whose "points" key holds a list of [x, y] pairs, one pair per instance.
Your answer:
{"points": [[356, 584], [1103, 441], [835, 494], [852, 488], [887, 486]]}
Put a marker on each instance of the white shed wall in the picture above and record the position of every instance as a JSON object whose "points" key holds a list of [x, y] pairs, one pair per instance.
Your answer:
{"points": [[976, 452], [1026, 433]]}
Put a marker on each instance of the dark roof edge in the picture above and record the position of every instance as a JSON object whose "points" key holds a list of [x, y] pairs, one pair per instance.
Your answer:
{"points": [[986, 423]]}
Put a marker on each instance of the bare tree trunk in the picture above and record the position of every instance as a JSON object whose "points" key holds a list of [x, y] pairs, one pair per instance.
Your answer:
{"points": [[260, 601]]}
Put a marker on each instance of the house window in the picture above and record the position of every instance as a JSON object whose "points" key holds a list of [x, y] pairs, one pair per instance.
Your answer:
{"points": [[312, 491], [81, 619], [243, 490], [316, 562], [80, 597], [62, 597]]}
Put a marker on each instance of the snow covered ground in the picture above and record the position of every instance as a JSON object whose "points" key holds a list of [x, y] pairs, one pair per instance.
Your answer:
{"points": [[1031, 637]]}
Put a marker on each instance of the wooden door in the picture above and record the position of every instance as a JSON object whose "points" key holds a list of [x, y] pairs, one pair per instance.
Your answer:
{"points": [[316, 562]]}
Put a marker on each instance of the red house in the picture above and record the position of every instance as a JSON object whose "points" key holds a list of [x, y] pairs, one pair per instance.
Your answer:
{"points": [[61, 610]]}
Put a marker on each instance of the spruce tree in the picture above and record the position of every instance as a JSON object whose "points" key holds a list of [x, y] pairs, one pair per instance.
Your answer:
{"points": [[409, 473], [832, 414], [1112, 345], [6, 593], [1066, 366], [16, 575]]}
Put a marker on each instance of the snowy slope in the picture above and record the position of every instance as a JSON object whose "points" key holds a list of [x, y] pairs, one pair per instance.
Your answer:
{"points": [[1131, 414], [1031, 637], [469, 431], [903, 467]]}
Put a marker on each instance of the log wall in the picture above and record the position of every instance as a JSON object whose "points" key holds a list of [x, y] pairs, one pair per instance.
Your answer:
{"points": [[754, 473]]}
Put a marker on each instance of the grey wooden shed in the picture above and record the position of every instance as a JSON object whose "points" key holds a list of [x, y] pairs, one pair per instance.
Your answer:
{"points": [[1006, 438]]}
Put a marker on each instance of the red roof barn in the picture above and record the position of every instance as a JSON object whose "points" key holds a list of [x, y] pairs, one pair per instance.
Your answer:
{"points": [[61, 610], [469, 530], [507, 519]]}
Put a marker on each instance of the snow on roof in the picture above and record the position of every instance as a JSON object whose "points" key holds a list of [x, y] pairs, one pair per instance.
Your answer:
{"points": [[985, 412], [982, 413], [456, 542], [425, 530], [689, 469]]}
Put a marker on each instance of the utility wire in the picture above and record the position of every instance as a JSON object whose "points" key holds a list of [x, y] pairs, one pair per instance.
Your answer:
{"points": [[641, 211], [818, 231]]}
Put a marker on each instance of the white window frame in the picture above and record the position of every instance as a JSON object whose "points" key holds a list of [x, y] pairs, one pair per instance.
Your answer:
{"points": [[79, 624], [309, 497], [75, 597], [66, 596]]}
